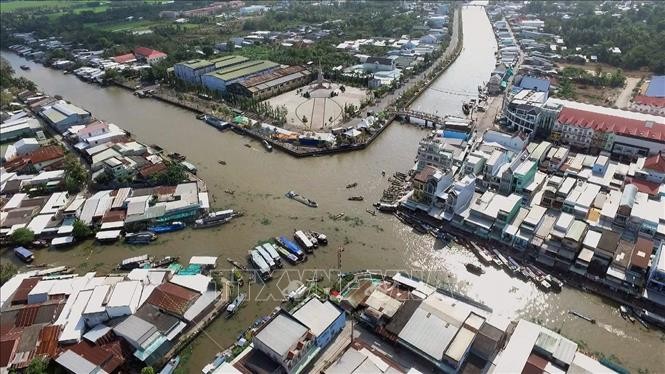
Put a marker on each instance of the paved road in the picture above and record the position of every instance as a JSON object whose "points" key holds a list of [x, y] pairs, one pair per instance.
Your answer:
{"points": [[387, 100], [623, 100]]}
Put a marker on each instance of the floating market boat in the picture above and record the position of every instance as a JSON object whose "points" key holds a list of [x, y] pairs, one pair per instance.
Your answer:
{"points": [[356, 198], [351, 185], [143, 237], [260, 265], [580, 315], [304, 241], [25, 67], [292, 247], [266, 256], [235, 305], [288, 256], [385, 207], [170, 227], [268, 247], [321, 238], [133, 262], [301, 199]]}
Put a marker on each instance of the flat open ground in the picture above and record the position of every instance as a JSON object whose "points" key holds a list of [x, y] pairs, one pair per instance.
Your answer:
{"points": [[320, 110]]}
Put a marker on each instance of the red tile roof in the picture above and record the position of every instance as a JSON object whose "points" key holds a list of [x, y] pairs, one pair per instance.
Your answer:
{"points": [[425, 174], [148, 52], [649, 188], [172, 298], [655, 162], [152, 169], [47, 153], [615, 124], [651, 101], [123, 59], [107, 359]]}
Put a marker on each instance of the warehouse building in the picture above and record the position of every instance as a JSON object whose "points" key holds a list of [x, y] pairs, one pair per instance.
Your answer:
{"points": [[192, 70], [272, 83], [218, 81]]}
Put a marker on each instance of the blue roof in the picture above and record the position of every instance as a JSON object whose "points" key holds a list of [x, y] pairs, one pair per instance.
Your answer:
{"points": [[657, 86], [23, 252], [536, 84]]}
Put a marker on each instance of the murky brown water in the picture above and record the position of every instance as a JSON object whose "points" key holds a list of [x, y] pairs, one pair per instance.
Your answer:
{"points": [[260, 180]]}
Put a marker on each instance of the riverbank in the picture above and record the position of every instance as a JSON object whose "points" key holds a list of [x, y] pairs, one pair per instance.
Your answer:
{"points": [[421, 83], [376, 242]]}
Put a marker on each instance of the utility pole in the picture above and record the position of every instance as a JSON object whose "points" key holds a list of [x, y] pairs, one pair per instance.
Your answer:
{"points": [[340, 249]]}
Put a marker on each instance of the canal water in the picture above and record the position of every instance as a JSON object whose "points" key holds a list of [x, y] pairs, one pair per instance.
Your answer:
{"points": [[260, 180]]}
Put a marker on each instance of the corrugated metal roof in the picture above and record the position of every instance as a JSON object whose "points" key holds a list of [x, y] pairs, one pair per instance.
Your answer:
{"points": [[317, 315], [281, 334]]}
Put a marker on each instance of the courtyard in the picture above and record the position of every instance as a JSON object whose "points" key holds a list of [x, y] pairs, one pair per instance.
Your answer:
{"points": [[319, 111]]}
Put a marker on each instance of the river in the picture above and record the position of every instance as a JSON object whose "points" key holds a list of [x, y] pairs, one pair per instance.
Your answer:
{"points": [[380, 242]]}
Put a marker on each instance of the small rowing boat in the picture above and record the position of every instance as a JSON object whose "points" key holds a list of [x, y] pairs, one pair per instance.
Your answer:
{"points": [[356, 198]]}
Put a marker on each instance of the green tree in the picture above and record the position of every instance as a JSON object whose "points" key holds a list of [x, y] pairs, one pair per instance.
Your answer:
{"points": [[81, 230], [37, 366], [7, 271], [174, 174], [148, 370], [75, 174], [22, 236]]}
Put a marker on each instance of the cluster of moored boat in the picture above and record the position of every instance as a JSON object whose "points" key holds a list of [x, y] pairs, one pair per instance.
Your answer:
{"points": [[212, 219], [396, 190], [526, 272], [265, 258], [145, 261]]}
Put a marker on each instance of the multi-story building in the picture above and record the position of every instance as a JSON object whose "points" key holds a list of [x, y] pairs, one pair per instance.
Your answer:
{"points": [[441, 153], [651, 169], [457, 197], [286, 341], [656, 280]]}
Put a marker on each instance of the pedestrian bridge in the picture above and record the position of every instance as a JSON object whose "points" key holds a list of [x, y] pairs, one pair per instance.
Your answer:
{"points": [[431, 120]]}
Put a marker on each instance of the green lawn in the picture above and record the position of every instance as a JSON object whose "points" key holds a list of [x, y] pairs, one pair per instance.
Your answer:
{"points": [[129, 25]]}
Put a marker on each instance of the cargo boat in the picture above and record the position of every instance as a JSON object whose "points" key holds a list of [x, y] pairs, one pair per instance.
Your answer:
{"points": [[385, 207], [304, 241], [301, 199], [143, 237], [292, 247], [173, 226], [216, 218], [260, 265], [268, 247], [288, 256], [266, 257]]}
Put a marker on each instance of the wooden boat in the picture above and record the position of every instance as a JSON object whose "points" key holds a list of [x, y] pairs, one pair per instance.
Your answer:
{"points": [[582, 316], [230, 192], [133, 262], [201, 116], [173, 226], [143, 237], [221, 162], [267, 146], [321, 238], [235, 305], [474, 269], [301, 199], [351, 185], [170, 367], [288, 256], [304, 241], [372, 212], [338, 216], [356, 198], [292, 247], [248, 145], [24, 255], [236, 264], [25, 67], [39, 244], [385, 207], [166, 261], [177, 156]]}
